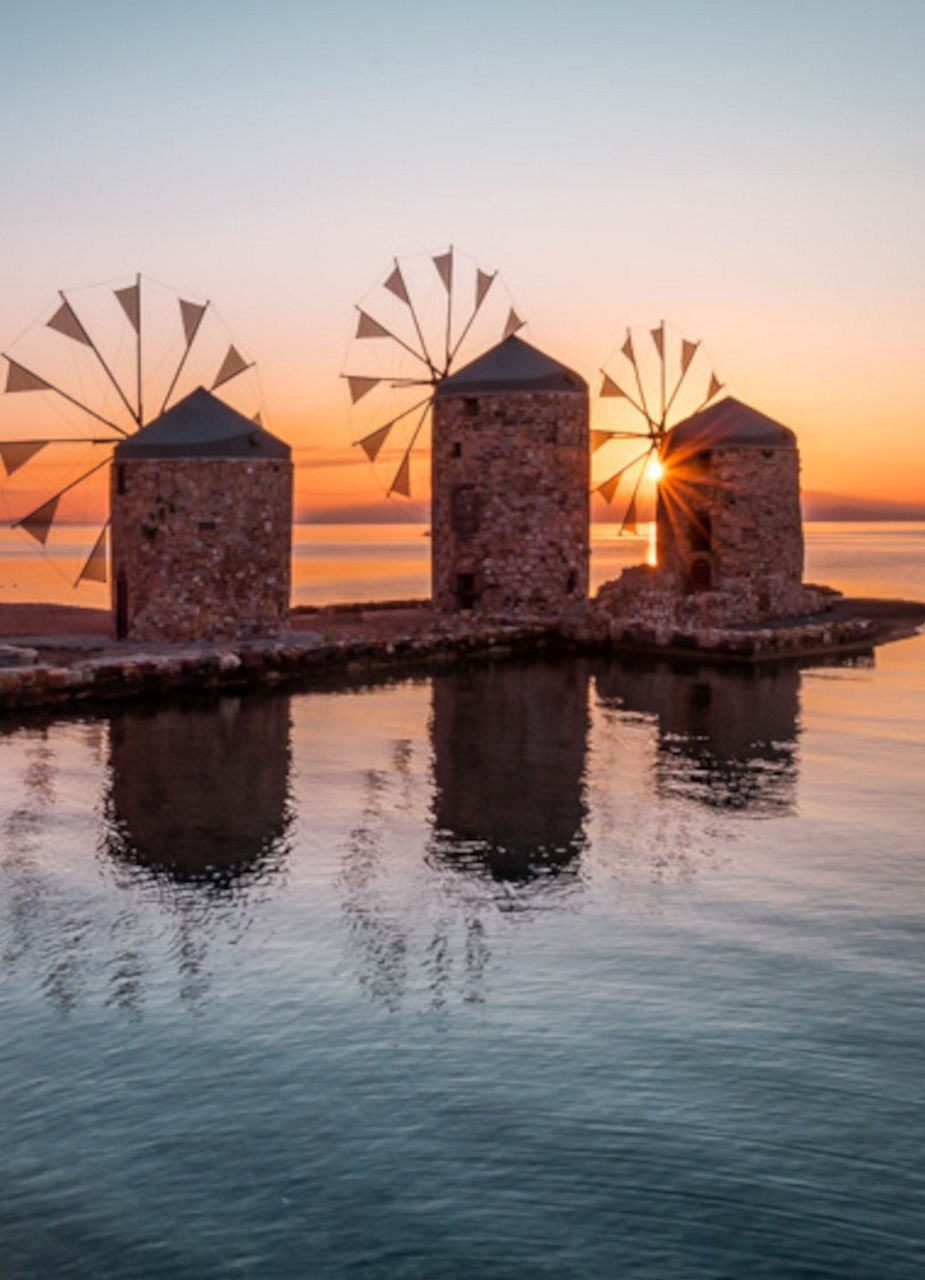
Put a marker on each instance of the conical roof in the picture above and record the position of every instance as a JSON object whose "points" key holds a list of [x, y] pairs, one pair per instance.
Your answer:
{"points": [[513, 365], [201, 426], [729, 423]]}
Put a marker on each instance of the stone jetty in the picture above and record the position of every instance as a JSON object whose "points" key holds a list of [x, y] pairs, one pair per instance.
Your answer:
{"points": [[63, 656]]}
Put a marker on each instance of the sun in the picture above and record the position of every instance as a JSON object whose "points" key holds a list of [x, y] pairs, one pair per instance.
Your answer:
{"points": [[654, 470]]}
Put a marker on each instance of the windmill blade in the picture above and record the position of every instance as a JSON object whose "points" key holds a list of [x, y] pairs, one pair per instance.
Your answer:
{"points": [[658, 337], [191, 314], [233, 364], [514, 323], [629, 520], [191, 317], [396, 285], [600, 438], [402, 480], [613, 479], [483, 282], [630, 354], [38, 522], [611, 389], [609, 488], [66, 321], [129, 300], [444, 264], [368, 327], [688, 351], [16, 453], [19, 378], [95, 565], [372, 442], [714, 387], [360, 387]]}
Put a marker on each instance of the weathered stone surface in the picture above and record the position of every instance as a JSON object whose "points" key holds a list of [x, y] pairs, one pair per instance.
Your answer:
{"points": [[510, 519], [201, 547]]}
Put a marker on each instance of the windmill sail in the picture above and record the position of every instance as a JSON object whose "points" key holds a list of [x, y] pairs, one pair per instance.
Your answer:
{"points": [[94, 569], [16, 453]]}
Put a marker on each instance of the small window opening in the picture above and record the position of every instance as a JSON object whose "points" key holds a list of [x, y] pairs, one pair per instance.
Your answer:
{"points": [[571, 583], [470, 406], [465, 590], [120, 478], [457, 449], [702, 532]]}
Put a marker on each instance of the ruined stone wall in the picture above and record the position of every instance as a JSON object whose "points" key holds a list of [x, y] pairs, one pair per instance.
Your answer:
{"points": [[201, 547], [510, 501], [734, 527]]}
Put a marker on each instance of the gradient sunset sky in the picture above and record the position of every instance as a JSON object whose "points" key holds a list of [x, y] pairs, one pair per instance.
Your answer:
{"points": [[752, 172]]}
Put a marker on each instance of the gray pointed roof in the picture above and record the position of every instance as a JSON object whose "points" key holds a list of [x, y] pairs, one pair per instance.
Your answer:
{"points": [[513, 365], [729, 422], [201, 426]]}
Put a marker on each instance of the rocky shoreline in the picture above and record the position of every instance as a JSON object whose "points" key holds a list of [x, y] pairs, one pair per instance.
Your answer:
{"points": [[54, 656]]}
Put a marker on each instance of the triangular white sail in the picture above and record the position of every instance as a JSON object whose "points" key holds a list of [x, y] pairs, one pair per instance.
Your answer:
{"points": [[688, 351], [396, 284], [38, 523], [16, 453], [599, 439], [483, 282], [20, 379], [514, 323], [609, 488], [65, 321], [233, 364], [359, 387], [95, 565], [130, 301], [610, 388], [402, 482], [191, 314], [372, 443], [444, 264], [367, 327]]}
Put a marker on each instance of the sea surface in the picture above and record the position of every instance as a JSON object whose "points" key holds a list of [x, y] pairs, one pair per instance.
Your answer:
{"points": [[586, 970]]}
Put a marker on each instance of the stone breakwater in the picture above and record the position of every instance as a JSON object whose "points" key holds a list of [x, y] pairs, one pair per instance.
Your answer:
{"points": [[305, 658], [351, 644]]}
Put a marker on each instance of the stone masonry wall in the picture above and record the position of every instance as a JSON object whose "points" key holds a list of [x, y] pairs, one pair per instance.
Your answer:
{"points": [[737, 519], [510, 501], [203, 546]]}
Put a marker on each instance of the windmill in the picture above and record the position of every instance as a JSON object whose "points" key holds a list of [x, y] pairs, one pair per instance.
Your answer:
{"points": [[107, 361], [431, 315], [653, 380]]}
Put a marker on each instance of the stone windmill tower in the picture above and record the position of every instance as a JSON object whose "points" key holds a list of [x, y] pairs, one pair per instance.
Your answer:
{"points": [[201, 526], [728, 518], [510, 457]]}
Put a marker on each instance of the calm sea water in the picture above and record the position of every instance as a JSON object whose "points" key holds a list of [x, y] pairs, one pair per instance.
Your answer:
{"points": [[566, 970], [338, 563]]}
